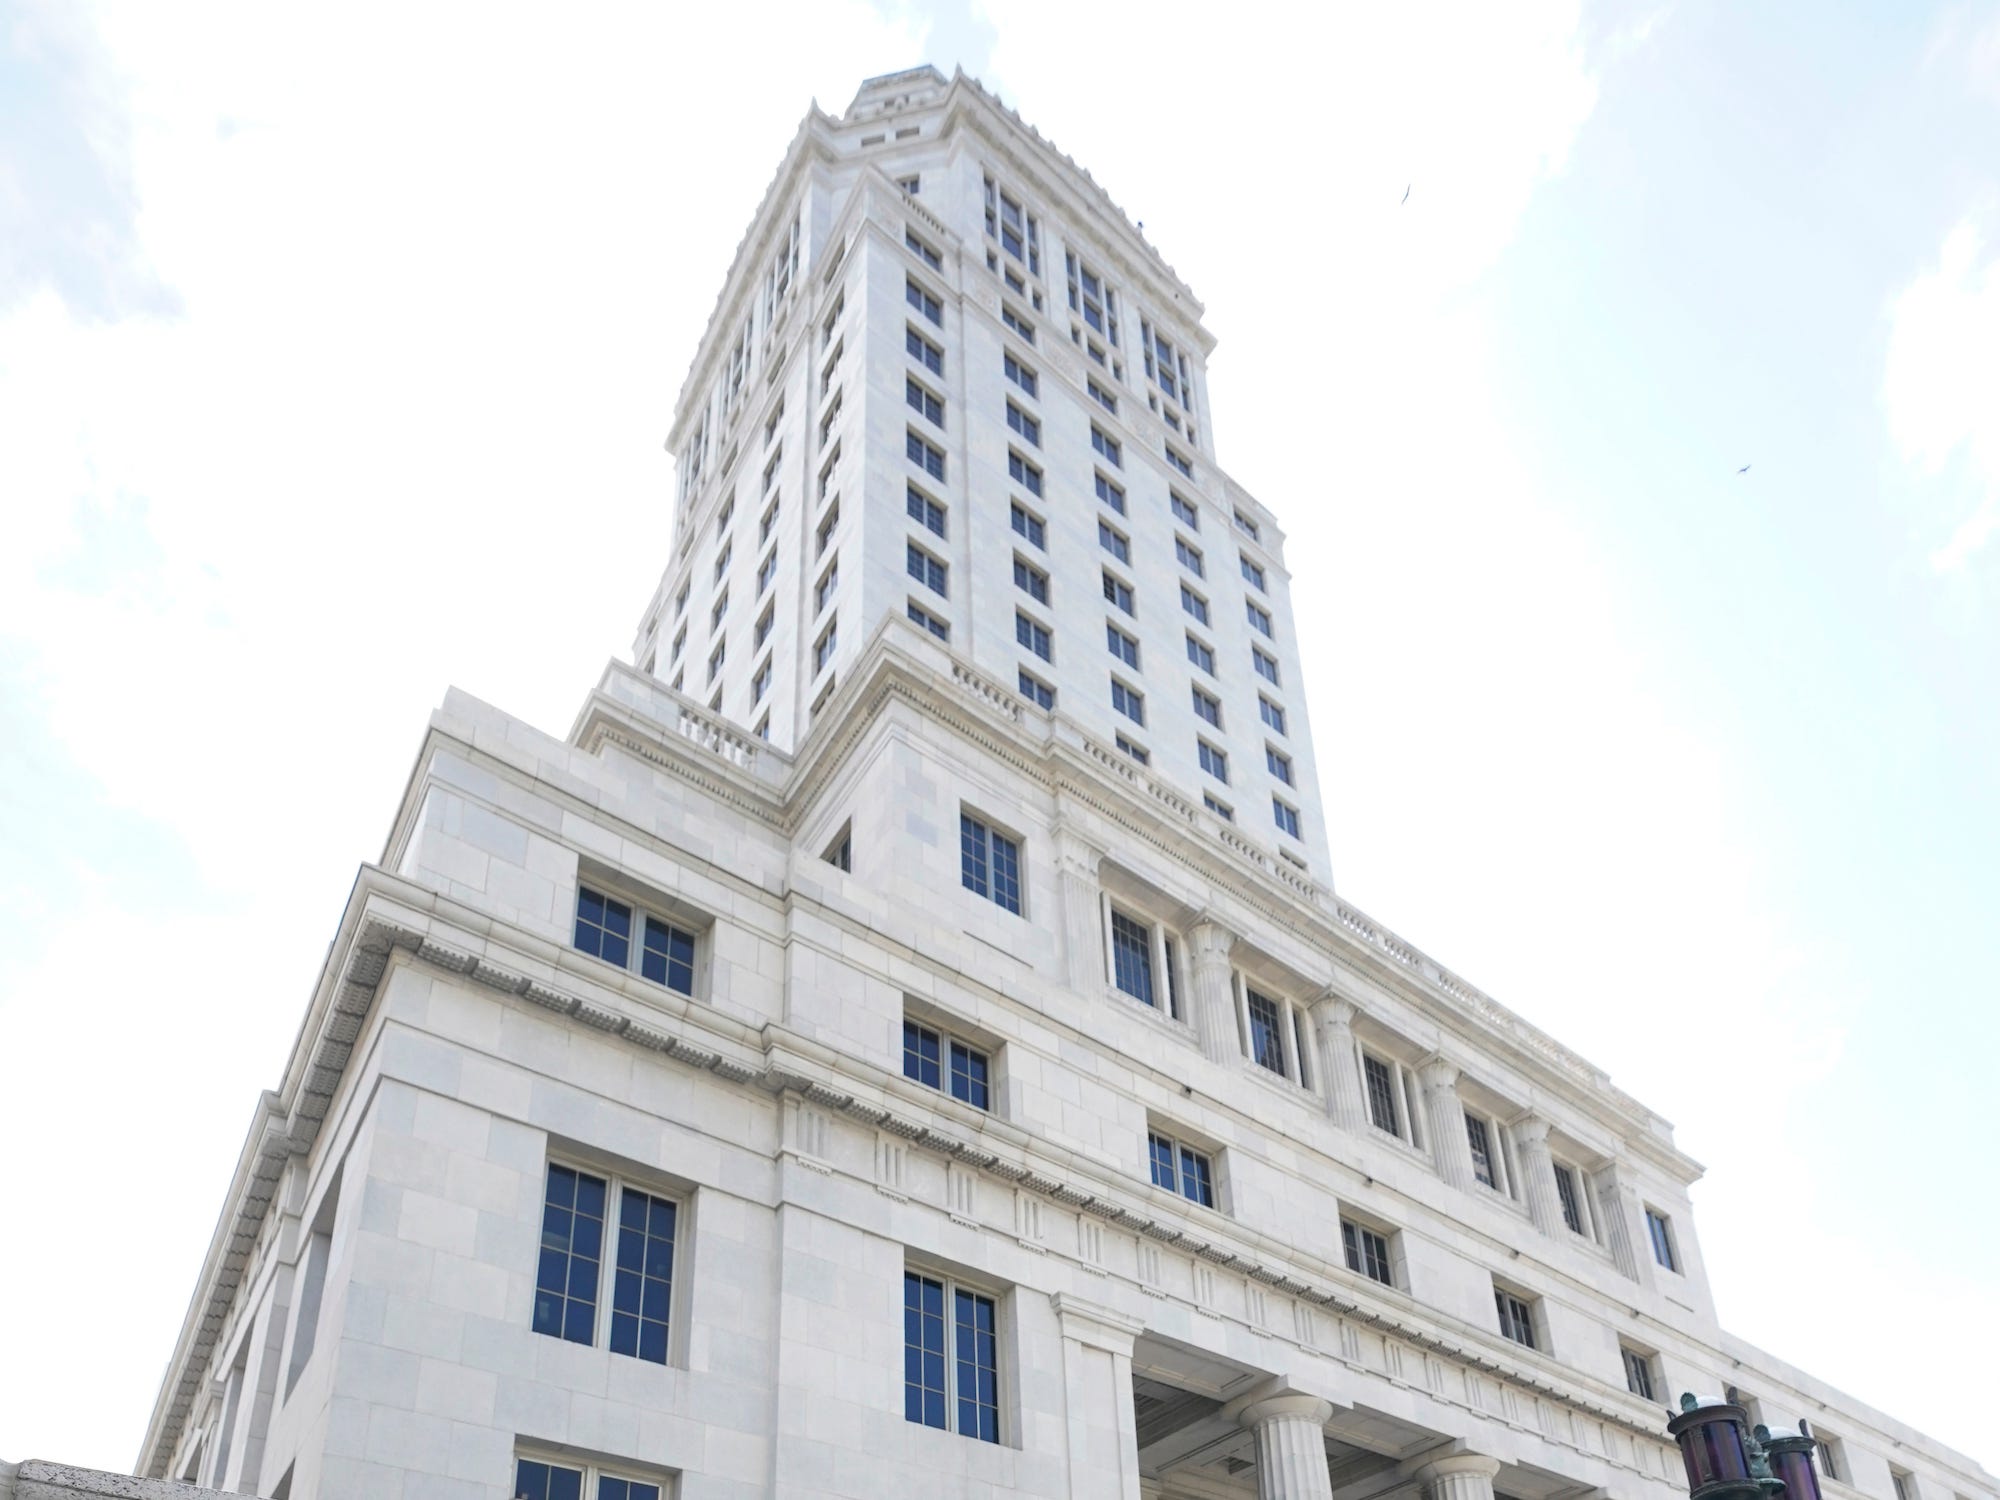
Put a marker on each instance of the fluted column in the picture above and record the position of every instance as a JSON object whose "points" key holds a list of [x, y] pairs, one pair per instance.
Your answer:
{"points": [[1214, 1003], [1538, 1171], [1461, 1476], [1445, 1116], [1344, 1104], [1624, 1226], [1083, 943], [1291, 1446]]}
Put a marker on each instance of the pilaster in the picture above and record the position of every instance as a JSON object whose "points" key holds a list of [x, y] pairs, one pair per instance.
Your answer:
{"points": [[1083, 947], [1538, 1173], [1103, 1430], [1209, 946], [1445, 1115], [1335, 1025]]}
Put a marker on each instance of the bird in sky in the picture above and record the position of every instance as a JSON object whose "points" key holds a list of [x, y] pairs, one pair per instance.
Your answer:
{"points": [[1744, 470], [1406, 192]]}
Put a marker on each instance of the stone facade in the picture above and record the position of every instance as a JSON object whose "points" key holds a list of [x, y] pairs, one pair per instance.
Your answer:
{"points": [[1223, 1189]]}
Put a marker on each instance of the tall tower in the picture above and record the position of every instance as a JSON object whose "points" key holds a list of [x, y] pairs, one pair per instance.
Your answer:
{"points": [[948, 383]]}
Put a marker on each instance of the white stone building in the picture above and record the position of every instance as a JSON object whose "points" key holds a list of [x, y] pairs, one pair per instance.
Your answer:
{"points": [[846, 1072]]}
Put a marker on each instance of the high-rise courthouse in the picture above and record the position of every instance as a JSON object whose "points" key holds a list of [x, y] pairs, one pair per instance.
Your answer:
{"points": [[904, 1039]]}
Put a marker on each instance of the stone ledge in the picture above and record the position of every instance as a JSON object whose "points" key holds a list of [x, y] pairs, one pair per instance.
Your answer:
{"points": [[38, 1479]]}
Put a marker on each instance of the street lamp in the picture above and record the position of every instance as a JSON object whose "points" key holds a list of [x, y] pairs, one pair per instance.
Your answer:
{"points": [[1726, 1463]]}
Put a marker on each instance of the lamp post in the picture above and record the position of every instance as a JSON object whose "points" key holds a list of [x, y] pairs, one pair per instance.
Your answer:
{"points": [[1724, 1462]]}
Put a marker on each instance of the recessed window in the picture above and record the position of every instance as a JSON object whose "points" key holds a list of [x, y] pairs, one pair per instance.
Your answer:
{"points": [[1194, 604], [924, 510], [1117, 591], [1028, 525], [1660, 1231], [1019, 421], [923, 301], [1184, 512], [1190, 557], [1023, 473], [1031, 580], [1032, 633], [606, 927], [1035, 690], [923, 351], [1267, 1035], [1278, 764], [951, 1357], [825, 647], [933, 623], [760, 683], [768, 521], [1481, 1140], [1639, 1380], [1285, 816], [1904, 1483], [1101, 396], [1013, 227], [1110, 493], [1179, 1168], [925, 454], [1201, 655], [1020, 374], [1207, 707], [1266, 664], [1253, 572], [1221, 809], [921, 401], [922, 250], [829, 581], [1132, 957], [574, 1267], [1832, 1456], [1179, 460], [840, 853], [1137, 751], [911, 185], [1129, 701], [989, 863], [1570, 1196], [771, 470], [1272, 714], [1213, 760], [1367, 1252], [767, 570], [1017, 324], [1517, 1317], [1114, 541], [1389, 1089], [1106, 446], [1091, 298], [828, 524], [715, 615], [552, 1479], [1245, 525], [1121, 645], [1260, 618], [941, 1061], [931, 572]]}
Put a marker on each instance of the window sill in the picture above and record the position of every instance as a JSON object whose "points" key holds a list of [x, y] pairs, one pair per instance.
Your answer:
{"points": [[1173, 1026]]}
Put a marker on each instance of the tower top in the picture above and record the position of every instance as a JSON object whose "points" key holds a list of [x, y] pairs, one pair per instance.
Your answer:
{"points": [[888, 92]]}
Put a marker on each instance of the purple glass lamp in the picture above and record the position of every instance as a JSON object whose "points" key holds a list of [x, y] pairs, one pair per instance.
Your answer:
{"points": [[1726, 1463], [1791, 1455]]}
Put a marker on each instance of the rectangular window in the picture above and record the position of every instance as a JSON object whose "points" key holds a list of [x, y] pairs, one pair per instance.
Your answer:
{"points": [[767, 570], [825, 646], [1132, 957], [1245, 525], [1285, 816], [1128, 701], [1090, 298], [922, 251], [1023, 473], [1260, 619], [1017, 323], [1661, 1233], [1019, 421], [1517, 1317], [1190, 557], [1034, 689], [715, 615], [604, 929], [1367, 1252], [1207, 707], [989, 863], [1382, 1111], [1020, 374], [1278, 764], [1201, 655], [827, 525], [832, 321], [943, 1062], [715, 659], [1121, 645], [923, 454], [1013, 226], [1194, 604], [828, 582], [539, 1479], [1267, 1036], [760, 683], [1272, 715], [1183, 511], [1253, 573], [1179, 461], [924, 510], [951, 1361], [1904, 1483], [1639, 1381], [1477, 1138], [1117, 591], [1831, 1463], [921, 616], [923, 351], [1566, 1194], [1213, 761], [767, 521], [1181, 1169], [1114, 542], [1266, 664], [569, 1279], [1101, 396], [1221, 809], [826, 471], [1107, 446], [771, 470], [1032, 633], [1028, 525], [923, 403], [1137, 751], [1031, 580], [915, 294], [927, 570], [1111, 494]]}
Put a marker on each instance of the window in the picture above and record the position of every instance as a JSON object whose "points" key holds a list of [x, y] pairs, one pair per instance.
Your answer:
{"points": [[1479, 1140], [1253, 573], [1190, 557], [1179, 461], [1213, 761], [604, 929], [1367, 1252], [1245, 525], [1221, 809], [1181, 1169], [1272, 715], [923, 351], [1184, 512], [1035, 690], [1132, 957], [943, 1062], [1090, 298], [1383, 1095], [921, 616], [1033, 634], [910, 185], [825, 646], [832, 319], [1031, 580], [680, 640], [1023, 473], [1121, 645], [927, 570], [915, 294], [1113, 541], [1567, 1195], [923, 453], [827, 369], [1137, 751], [1194, 604], [828, 417], [767, 521], [1278, 764], [827, 525], [1203, 656], [1517, 1317], [760, 684], [989, 863], [951, 1370], [1266, 664], [570, 1276], [1013, 226], [1285, 816], [724, 517], [1017, 323], [1128, 701], [1117, 591], [1111, 494], [828, 582], [840, 853], [536, 1479], [1104, 444], [1661, 1234], [1267, 1032], [1020, 374], [924, 510], [715, 615], [1639, 1381], [681, 599], [1904, 1483], [767, 570], [826, 471], [1260, 619], [1101, 396], [1019, 421], [1207, 707], [1832, 1457], [922, 251], [921, 401]]}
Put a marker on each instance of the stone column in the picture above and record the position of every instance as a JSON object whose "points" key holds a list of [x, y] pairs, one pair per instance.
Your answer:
{"points": [[1083, 944], [1344, 1104], [1291, 1446], [1445, 1117], [1459, 1476], [1102, 1431], [1538, 1173], [1624, 1226], [1214, 1000]]}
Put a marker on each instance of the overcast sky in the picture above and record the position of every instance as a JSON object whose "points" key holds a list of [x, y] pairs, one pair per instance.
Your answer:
{"points": [[337, 346]]}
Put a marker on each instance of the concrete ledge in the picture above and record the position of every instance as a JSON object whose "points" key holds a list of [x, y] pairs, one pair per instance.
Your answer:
{"points": [[37, 1479]]}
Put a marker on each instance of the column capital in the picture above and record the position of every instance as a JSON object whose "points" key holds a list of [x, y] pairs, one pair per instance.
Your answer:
{"points": [[1208, 938], [1332, 1006], [1438, 1072], [1095, 1324], [1287, 1406], [1529, 1129], [1076, 855], [1453, 1464]]}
